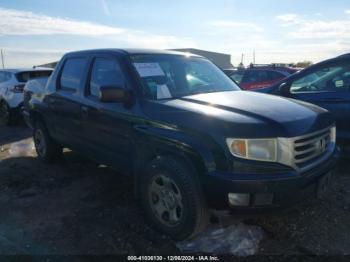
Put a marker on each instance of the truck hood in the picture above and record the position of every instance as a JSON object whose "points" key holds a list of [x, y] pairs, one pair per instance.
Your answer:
{"points": [[243, 114]]}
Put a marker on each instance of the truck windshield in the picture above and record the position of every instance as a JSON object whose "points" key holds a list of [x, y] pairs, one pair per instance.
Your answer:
{"points": [[173, 76]]}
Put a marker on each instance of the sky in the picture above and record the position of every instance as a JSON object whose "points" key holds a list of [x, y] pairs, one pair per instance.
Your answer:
{"points": [[39, 31]]}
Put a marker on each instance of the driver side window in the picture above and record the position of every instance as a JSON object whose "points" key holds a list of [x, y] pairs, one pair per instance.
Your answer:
{"points": [[327, 79], [105, 72]]}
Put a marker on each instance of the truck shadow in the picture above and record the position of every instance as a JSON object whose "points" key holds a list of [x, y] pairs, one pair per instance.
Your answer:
{"points": [[72, 207], [12, 134]]}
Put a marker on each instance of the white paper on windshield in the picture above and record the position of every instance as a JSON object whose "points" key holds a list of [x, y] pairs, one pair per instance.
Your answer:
{"points": [[163, 92], [149, 69]]}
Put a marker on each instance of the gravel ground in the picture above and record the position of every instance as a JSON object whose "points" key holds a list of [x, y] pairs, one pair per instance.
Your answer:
{"points": [[79, 207]]}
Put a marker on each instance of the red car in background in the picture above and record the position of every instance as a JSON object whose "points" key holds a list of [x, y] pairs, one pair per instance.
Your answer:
{"points": [[259, 76]]}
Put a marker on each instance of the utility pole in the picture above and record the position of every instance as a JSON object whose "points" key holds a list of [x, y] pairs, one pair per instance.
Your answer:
{"points": [[2, 60], [241, 65], [254, 57]]}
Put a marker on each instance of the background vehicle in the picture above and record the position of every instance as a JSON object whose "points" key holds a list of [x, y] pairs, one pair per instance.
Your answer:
{"points": [[12, 83], [33, 86], [259, 76], [326, 84], [187, 134]]}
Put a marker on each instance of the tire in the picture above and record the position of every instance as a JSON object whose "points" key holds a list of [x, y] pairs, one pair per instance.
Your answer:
{"points": [[172, 199], [6, 116], [46, 148]]}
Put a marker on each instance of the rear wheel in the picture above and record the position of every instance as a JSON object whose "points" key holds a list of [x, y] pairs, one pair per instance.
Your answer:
{"points": [[172, 199], [47, 149]]}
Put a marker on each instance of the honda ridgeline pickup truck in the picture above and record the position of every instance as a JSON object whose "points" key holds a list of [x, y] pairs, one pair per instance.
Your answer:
{"points": [[189, 137]]}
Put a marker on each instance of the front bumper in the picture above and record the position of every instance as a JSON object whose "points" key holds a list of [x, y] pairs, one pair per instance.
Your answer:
{"points": [[266, 191]]}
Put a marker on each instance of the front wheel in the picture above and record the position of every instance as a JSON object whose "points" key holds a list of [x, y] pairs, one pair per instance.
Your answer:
{"points": [[46, 149], [172, 199]]}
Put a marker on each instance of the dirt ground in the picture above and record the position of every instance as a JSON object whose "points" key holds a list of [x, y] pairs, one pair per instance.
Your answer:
{"points": [[79, 207]]}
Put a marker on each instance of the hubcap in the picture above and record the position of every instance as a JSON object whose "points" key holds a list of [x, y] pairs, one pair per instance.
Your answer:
{"points": [[165, 200], [40, 143]]}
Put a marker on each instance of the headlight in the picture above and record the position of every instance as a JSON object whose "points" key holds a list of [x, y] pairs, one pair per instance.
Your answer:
{"points": [[254, 149]]}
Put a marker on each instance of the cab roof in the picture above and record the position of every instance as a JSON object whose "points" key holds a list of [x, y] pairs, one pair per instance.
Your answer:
{"points": [[133, 51]]}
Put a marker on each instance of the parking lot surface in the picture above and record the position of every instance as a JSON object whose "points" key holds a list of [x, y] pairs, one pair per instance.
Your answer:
{"points": [[79, 207]]}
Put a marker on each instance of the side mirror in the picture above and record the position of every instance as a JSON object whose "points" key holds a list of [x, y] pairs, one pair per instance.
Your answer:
{"points": [[284, 89], [116, 94]]}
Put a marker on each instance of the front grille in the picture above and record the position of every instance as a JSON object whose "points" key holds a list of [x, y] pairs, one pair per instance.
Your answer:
{"points": [[311, 147]]}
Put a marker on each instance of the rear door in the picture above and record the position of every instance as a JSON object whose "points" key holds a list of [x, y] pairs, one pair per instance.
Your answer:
{"points": [[107, 127], [65, 103], [329, 87]]}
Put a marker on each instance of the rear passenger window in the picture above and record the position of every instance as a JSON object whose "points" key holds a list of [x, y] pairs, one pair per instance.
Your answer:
{"points": [[72, 74], [105, 72]]}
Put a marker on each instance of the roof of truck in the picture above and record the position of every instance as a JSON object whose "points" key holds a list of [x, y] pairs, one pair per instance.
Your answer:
{"points": [[134, 51]]}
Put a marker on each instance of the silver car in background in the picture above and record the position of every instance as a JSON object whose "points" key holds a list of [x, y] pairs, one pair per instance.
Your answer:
{"points": [[12, 82]]}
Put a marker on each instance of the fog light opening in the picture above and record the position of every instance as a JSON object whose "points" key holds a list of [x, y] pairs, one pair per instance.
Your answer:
{"points": [[238, 199]]}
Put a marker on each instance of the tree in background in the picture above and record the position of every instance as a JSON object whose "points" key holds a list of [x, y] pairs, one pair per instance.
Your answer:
{"points": [[303, 64]]}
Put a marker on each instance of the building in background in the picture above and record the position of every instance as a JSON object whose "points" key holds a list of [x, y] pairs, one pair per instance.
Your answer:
{"points": [[221, 60], [48, 65]]}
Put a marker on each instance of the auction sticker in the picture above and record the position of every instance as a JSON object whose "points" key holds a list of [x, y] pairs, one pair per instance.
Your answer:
{"points": [[149, 69]]}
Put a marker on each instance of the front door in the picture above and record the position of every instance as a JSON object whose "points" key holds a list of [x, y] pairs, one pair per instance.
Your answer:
{"points": [[107, 127]]}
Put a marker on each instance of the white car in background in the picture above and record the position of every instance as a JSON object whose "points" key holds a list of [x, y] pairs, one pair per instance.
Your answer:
{"points": [[12, 82]]}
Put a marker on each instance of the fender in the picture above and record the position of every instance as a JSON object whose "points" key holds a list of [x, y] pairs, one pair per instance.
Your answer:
{"points": [[167, 139], [153, 141]]}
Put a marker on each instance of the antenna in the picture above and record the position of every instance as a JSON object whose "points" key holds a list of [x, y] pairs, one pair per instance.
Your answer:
{"points": [[2, 60]]}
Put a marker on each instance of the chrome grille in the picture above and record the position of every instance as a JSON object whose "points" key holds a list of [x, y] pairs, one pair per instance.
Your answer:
{"points": [[306, 151], [309, 148]]}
